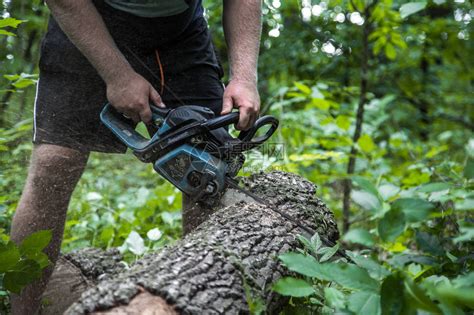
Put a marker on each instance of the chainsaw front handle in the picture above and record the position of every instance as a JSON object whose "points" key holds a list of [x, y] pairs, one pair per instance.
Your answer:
{"points": [[247, 136], [222, 121]]}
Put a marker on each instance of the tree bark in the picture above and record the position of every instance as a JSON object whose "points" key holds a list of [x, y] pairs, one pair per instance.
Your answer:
{"points": [[76, 272], [226, 261]]}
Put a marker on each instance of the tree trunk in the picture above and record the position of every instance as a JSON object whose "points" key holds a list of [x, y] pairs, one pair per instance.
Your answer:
{"points": [[224, 263], [364, 83]]}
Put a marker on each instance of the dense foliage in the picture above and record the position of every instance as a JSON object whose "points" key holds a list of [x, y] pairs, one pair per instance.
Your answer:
{"points": [[375, 103]]}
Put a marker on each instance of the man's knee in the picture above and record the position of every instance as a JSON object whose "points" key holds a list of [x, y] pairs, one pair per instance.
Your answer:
{"points": [[52, 164]]}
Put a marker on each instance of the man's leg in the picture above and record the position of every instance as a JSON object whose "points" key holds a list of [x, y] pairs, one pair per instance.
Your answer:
{"points": [[53, 174]]}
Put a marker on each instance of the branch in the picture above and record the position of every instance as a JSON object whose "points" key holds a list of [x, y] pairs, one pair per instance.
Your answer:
{"points": [[355, 7]]}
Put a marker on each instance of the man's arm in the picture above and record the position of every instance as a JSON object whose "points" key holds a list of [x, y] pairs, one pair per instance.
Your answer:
{"points": [[127, 91], [242, 28]]}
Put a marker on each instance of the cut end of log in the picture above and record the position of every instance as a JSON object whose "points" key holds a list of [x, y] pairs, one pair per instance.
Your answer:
{"points": [[143, 303]]}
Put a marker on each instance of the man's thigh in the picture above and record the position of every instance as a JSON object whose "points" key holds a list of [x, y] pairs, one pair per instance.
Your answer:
{"points": [[66, 112], [191, 70]]}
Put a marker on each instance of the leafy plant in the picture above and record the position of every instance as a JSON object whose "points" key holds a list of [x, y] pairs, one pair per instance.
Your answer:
{"points": [[21, 265], [370, 286], [8, 22]]}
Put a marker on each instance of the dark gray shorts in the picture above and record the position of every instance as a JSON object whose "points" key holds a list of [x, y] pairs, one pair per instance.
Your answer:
{"points": [[70, 93]]}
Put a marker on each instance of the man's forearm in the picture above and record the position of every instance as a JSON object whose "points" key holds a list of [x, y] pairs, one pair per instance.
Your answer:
{"points": [[242, 21], [84, 26]]}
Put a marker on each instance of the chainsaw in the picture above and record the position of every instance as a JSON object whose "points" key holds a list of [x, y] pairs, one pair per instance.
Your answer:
{"points": [[190, 147]]}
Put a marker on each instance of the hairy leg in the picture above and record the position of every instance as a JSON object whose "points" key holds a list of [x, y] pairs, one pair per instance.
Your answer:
{"points": [[53, 174]]}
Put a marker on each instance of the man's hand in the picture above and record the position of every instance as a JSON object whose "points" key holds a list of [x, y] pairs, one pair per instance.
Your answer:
{"points": [[131, 94], [244, 96]]}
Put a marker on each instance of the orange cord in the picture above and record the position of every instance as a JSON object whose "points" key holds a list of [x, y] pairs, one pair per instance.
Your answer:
{"points": [[162, 73]]}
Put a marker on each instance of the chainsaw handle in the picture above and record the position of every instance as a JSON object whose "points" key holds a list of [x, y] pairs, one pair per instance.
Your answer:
{"points": [[124, 128], [248, 135], [222, 121], [158, 112]]}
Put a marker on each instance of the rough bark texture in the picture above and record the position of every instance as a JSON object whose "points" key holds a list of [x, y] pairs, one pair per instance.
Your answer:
{"points": [[228, 259]]}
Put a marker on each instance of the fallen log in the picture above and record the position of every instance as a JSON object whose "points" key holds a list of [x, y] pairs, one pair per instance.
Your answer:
{"points": [[226, 261], [76, 272]]}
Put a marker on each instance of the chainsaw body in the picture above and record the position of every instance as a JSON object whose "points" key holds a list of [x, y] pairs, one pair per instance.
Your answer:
{"points": [[189, 146]]}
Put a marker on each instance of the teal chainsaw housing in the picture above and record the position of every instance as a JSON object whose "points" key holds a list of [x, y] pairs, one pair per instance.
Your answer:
{"points": [[187, 168]]}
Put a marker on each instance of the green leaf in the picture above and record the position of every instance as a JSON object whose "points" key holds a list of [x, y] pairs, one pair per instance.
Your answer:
{"points": [[293, 287], [107, 234], [365, 185], [418, 297], [7, 33], [41, 258], [12, 77], [306, 243], [9, 256], [23, 83], [391, 225], [456, 296], [390, 51], [320, 104], [469, 169], [391, 293], [303, 88], [10, 22], [466, 234], [316, 241], [466, 204], [364, 303], [374, 269], [366, 144], [433, 187], [135, 243], [429, 243], [415, 209], [35, 243], [366, 200], [334, 297], [359, 236], [350, 276], [23, 274], [343, 122], [388, 191], [303, 264], [170, 217], [464, 280], [331, 251], [347, 275], [411, 8]]}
